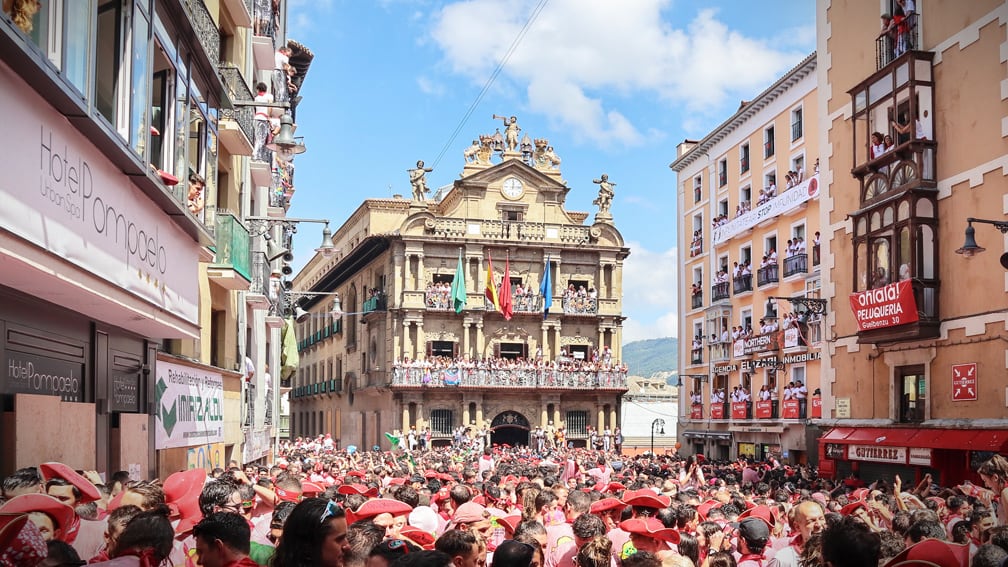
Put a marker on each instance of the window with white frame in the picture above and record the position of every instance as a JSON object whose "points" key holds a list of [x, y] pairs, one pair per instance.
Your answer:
{"points": [[745, 255], [723, 207], [768, 142], [723, 172], [698, 275], [744, 158], [698, 222], [769, 244], [745, 320], [697, 188], [797, 129], [745, 198]]}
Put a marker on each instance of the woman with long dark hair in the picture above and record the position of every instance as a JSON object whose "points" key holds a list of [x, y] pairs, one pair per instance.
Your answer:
{"points": [[313, 536]]}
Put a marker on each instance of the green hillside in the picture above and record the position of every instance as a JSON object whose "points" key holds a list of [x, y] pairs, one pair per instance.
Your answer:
{"points": [[648, 357]]}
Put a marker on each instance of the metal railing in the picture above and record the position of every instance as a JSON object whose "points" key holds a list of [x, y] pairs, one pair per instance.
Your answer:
{"points": [[796, 129], [797, 264], [743, 284], [508, 230], [524, 303], [696, 300], [720, 352], [438, 300], [719, 291], [264, 20], [580, 305], [261, 272], [454, 377], [815, 254], [233, 244], [696, 247], [768, 274], [206, 29], [377, 303], [890, 45], [696, 356], [239, 92]]}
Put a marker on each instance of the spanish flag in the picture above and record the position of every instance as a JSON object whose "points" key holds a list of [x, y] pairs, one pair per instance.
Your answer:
{"points": [[491, 287]]}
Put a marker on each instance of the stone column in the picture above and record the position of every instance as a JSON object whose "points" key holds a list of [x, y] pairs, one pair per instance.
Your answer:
{"points": [[480, 339], [421, 419], [556, 415], [601, 417], [544, 417], [613, 417], [465, 338], [419, 275], [479, 411], [405, 417], [421, 340], [407, 344], [465, 413]]}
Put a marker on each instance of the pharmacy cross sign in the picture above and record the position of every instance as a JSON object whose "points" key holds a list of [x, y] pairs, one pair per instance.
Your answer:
{"points": [[964, 382]]}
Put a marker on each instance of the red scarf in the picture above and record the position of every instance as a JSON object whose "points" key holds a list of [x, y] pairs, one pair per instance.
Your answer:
{"points": [[146, 555]]}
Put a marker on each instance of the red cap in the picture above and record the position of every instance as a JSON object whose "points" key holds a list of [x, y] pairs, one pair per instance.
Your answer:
{"points": [[184, 484], [650, 527], [932, 552], [418, 536], [21, 541], [606, 504], [397, 481], [762, 512], [64, 516], [358, 474], [349, 489], [852, 507], [310, 489], [510, 523], [89, 492], [706, 507], [646, 498], [614, 487], [377, 506]]}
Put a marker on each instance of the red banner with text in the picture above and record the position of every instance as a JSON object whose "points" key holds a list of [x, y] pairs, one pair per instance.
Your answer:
{"points": [[790, 409], [717, 411], [887, 306], [816, 408], [738, 410], [696, 411], [764, 409]]}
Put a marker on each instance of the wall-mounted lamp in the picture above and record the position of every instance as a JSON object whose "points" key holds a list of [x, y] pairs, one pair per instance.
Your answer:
{"points": [[261, 226], [970, 247], [284, 143], [805, 306]]}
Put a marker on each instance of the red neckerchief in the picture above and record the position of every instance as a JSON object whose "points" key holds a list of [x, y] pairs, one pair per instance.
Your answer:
{"points": [[757, 557], [146, 555]]}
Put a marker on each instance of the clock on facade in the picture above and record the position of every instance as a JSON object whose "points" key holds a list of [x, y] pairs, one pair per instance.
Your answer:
{"points": [[512, 188]]}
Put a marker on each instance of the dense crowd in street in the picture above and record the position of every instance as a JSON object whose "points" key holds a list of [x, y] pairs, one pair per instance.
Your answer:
{"points": [[472, 505]]}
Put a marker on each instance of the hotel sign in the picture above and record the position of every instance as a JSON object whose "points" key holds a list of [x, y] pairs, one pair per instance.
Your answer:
{"points": [[877, 454]]}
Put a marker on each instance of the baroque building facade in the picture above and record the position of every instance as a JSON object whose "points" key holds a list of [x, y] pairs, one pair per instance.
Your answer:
{"points": [[914, 378], [419, 344], [748, 196]]}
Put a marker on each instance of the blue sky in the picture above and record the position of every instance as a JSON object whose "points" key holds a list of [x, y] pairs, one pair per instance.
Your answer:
{"points": [[614, 85]]}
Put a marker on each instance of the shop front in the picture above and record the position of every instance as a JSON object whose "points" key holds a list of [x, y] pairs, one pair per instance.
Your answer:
{"points": [[950, 456]]}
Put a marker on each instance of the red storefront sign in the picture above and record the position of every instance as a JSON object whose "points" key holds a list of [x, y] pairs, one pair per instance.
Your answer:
{"points": [[717, 411], [696, 411], [887, 306], [764, 409], [738, 410], [790, 409], [816, 408], [964, 382]]}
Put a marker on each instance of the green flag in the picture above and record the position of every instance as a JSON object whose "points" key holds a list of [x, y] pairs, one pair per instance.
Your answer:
{"points": [[458, 286]]}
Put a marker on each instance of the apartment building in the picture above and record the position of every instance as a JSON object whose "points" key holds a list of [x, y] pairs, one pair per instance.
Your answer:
{"points": [[750, 327], [132, 296], [913, 137]]}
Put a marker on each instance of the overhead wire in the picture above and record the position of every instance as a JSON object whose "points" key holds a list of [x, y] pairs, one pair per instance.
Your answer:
{"points": [[493, 77]]}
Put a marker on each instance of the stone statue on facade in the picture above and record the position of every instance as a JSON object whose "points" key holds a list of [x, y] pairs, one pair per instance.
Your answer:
{"points": [[418, 179], [511, 130], [544, 157], [605, 194], [471, 154]]}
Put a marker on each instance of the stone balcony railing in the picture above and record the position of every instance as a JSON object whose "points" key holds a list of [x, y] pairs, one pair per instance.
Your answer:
{"points": [[510, 231], [455, 377]]}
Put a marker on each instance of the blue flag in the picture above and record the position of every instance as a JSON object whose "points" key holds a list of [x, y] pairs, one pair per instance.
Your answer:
{"points": [[546, 289]]}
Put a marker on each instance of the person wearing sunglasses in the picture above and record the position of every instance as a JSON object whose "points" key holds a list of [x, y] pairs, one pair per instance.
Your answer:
{"points": [[315, 535]]}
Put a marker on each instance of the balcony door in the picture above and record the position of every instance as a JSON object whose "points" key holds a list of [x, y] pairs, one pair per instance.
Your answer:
{"points": [[911, 390]]}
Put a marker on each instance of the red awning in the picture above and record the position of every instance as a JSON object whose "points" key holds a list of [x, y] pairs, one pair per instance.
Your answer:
{"points": [[957, 439]]}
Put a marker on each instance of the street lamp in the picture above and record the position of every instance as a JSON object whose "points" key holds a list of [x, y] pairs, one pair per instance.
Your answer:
{"points": [[262, 226], [659, 423], [970, 248], [284, 144]]}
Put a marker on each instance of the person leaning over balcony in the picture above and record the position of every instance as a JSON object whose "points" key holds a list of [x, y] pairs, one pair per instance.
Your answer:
{"points": [[877, 145], [788, 391], [195, 200]]}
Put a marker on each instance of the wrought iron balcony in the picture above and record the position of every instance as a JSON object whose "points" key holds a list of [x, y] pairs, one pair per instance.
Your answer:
{"points": [[261, 272], [816, 250], [720, 352], [232, 248], [206, 29], [696, 247], [580, 305], [743, 284], [239, 92], [696, 356], [696, 300], [377, 303], [510, 378], [768, 274], [899, 39], [797, 264], [264, 20], [720, 291]]}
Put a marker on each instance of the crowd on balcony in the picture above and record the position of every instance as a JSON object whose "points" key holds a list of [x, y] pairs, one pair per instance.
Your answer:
{"points": [[794, 177], [769, 259], [898, 29], [768, 192], [438, 295], [742, 270], [719, 220], [795, 246], [742, 208], [580, 300], [564, 372], [597, 360], [721, 276], [696, 247]]}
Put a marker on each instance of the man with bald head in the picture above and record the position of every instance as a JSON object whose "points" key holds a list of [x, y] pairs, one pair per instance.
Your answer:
{"points": [[808, 521]]}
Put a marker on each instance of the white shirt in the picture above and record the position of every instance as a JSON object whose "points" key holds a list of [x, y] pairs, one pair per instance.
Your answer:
{"points": [[800, 392]]}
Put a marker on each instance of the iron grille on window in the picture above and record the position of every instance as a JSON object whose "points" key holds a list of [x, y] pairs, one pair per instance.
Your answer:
{"points": [[577, 422], [442, 421]]}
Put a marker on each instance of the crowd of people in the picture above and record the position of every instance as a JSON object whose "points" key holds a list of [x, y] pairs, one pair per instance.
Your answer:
{"points": [[597, 369], [319, 505]]}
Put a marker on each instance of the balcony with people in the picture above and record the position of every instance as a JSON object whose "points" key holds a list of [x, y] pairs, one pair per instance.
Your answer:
{"points": [[377, 301], [796, 258], [522, 301], [696, 350], [720, 290], [580, 301], [696, 296], [509, 373], [696, 246], [768, 272], [742, 277]]}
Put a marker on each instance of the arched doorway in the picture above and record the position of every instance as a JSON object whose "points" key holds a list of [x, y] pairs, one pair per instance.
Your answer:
{"points": [[509, 428]]}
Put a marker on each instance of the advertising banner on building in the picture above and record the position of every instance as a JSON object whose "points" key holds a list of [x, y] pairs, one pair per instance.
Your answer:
{"points": [[190, 406], [887, 306], [738, 410], [782, 203], [764, 409], [717, 411], [696, 411], [816, 407], [790, 409], [207, 457], [877, 454]]}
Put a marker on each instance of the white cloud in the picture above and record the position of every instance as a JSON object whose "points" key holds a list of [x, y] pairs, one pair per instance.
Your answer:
{"points": [[430, 87], [303, 15], [650, 294], [579, 56]]}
